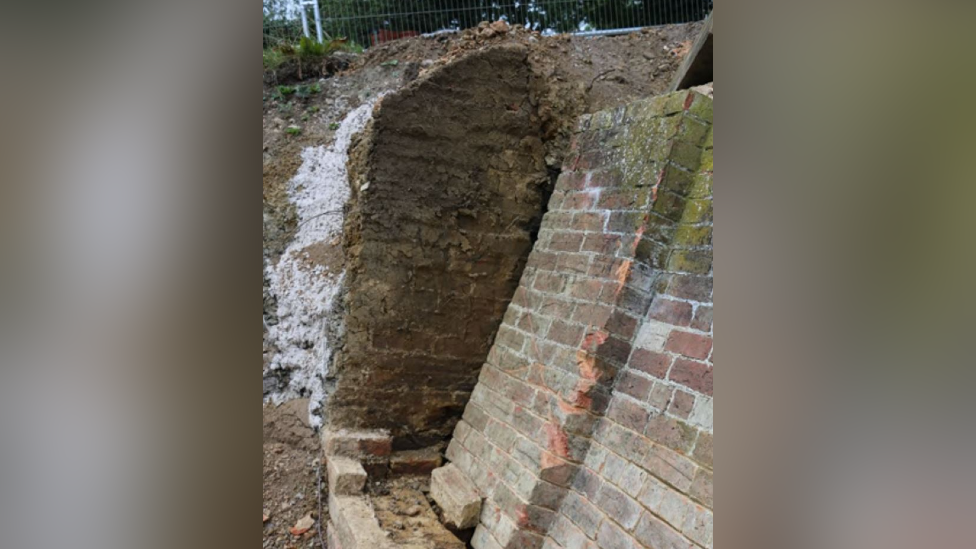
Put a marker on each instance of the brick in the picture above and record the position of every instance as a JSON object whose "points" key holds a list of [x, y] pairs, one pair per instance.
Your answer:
{"points": [[698, 526], [583, 514], [612, 537], [670, 466], [689, 344], [701, 413], [681, 404], [654, 533], [572, 263], [346, 476], [566, 242], [703, 319], [355, 523], [693, 235], [605, 178], [703, 449], [674, 508], [696, 288], [673, 433], [660, 396], [571, 181], [621, 325], [650, 362], [697, 376], [617, 504], [357, 444], [592, 314], [549, 283], [456, 495], [415, 462], [567, 334], [625, 222], [701, 487], [634, 385], [606, 244], [580, 200], [567, 535], [482, 539], [653, 334], [691, 261], [588, 221], [678, 313], [629, 414]]}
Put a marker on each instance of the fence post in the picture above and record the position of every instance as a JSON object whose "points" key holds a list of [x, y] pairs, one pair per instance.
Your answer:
{"points": [[318, 20], [301, 8]]}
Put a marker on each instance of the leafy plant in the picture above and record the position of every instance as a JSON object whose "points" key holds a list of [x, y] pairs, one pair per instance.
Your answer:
{"points": [[293, 130], [286, 90]]}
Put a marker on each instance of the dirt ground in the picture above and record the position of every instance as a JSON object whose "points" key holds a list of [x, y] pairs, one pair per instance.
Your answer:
{"points": [[291, 460]]}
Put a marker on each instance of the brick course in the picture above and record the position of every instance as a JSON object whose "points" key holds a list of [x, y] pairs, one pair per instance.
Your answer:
{"points": [[591, 422]]}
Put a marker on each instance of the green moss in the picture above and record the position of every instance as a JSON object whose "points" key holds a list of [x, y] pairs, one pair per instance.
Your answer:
{"points": [[701, 106], [692, 131], [676, 180], [698, 210], [687, 235], [691, 261], [686, 155], [669, 205], [702, 187]]}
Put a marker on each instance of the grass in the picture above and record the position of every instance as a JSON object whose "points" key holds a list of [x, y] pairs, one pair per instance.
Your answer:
{"points": [[306, 51]]}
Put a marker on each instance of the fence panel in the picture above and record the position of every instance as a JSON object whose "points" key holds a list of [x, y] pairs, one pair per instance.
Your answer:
{"points": [[368, 22]]}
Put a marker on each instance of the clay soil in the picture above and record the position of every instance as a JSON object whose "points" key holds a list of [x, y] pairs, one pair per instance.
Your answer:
{"points": [[291, 461]]}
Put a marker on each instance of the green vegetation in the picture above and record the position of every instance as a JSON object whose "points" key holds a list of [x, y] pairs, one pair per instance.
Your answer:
{"points": [[293, 130]]}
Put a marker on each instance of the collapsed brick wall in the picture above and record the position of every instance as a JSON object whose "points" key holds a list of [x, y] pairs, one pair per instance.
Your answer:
{"points": [[591, 424], [448, 186]]}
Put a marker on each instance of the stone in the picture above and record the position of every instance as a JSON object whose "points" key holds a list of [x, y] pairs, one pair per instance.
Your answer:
{"points": [[355, 524], [456, 495], [346, 476]]}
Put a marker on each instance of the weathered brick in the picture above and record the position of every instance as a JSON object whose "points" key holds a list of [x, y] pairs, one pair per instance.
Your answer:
{"points": [[698, 526], [346, 476], [634, 385], [551, 283], [571, 263], [703, 319], [697, 376], [671, 311], [650, 362], [681, 404], [579, 200], [652, 532], [606, 244], [582, 513], [605, 178], [673, 433], [592, 314], [691, 261], [697, 288], [701, 487], [612, 537], [456, 495], [703, 449], [629, 414], [670, 466], [567, 534], [588, 221], [567, 334], [660, 396], [689, 344], [566, 242]]}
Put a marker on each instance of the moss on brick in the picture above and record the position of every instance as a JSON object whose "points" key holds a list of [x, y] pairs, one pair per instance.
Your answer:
{"points": [[688, 235], [697, 210], [691, 261]]}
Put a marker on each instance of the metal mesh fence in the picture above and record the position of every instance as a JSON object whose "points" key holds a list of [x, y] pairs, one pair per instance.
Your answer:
{"points": [[369, 22]]}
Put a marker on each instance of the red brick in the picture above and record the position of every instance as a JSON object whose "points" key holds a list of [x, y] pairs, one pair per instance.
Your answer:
{"points": [[621, 325], [606, 178], [655, 364], [586, 289], [673, 312], [629, 414], [571, 181], [689, 344], [573, 263], [567, 334], [681, 404], [693, 374], [634, 385], [697, 288], [566, 242], [618, 199], [549, 283], [581, 200], [592, 315], [588, 221], [606, 244]]}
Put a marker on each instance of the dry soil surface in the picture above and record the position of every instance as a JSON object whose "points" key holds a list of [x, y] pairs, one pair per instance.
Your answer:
{"points": [[291, 461]]}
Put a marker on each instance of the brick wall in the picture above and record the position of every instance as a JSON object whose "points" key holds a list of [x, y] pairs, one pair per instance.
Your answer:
{"points": [[591, 423]]}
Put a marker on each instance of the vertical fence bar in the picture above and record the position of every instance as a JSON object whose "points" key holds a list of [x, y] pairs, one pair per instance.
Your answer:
{"points": [[301, 6], [318, 20]]}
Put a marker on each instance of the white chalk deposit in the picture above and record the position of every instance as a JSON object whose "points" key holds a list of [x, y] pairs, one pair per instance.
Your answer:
{"points": [[305, 291]]}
